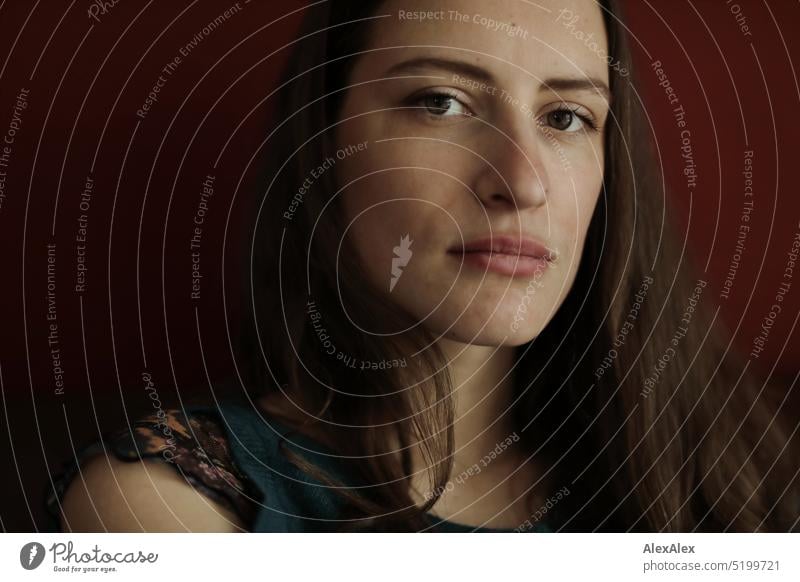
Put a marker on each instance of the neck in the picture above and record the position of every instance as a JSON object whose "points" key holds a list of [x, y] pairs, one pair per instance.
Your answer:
{"points": [[483, 391], [489, 471]]}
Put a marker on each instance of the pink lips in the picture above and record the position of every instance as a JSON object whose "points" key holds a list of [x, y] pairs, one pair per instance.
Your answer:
{"points": [[506, 255]]}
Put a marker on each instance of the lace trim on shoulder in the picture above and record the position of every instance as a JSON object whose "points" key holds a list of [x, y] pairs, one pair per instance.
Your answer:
{"points": [[196, 447]]}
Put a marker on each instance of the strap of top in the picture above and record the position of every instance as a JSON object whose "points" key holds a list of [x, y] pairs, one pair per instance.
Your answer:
{"points": [[291, 500], [232, 455]]}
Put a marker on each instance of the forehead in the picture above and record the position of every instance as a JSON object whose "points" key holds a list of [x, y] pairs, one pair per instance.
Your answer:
{"points": [[542, 37]]}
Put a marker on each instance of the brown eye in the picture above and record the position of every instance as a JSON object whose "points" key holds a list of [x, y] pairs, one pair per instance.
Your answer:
{"points": [[438, 104], [565, 119], [443, 105], [561, 119]]}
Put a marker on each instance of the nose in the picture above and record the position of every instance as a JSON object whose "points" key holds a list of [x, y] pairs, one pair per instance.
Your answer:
{"points": [[513, 173]]}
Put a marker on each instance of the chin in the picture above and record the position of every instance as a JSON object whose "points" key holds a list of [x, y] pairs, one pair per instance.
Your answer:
{"points": [[498, 329], [491, 336], [484, 318]]}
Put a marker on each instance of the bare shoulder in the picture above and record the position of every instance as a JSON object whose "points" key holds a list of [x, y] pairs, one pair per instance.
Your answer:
{"points": [[147, 495]]}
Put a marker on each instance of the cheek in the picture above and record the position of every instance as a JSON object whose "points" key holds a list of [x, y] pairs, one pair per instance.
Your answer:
{"points": [[401, 188], [402, 213], [375, 224], [390, 222]]}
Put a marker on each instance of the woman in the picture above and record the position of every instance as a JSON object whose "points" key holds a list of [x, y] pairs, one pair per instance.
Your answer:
{"points": [[468, 315]]}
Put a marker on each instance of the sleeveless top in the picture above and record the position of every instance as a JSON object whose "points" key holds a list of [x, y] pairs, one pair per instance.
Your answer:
{"points": [[232, 455]]}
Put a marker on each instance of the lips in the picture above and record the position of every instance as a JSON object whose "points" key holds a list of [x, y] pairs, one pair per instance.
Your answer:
{"points": [[506, 245], [505, 255]]}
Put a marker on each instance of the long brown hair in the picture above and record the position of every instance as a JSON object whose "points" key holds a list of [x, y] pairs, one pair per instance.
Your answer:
{"points": [[633, 401]]}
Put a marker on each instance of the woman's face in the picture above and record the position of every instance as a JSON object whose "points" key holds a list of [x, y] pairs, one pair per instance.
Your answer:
{"points": [[470, 121]]}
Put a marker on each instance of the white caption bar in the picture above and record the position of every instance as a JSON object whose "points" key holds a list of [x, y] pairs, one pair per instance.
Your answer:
{"points": [[355, 557]]}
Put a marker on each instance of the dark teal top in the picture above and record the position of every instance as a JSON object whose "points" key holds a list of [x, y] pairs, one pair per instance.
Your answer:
{"points": [[232, 454]]}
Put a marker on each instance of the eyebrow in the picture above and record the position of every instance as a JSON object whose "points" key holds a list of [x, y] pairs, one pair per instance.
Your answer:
{"points": [[568, 84], [591, 84]]}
